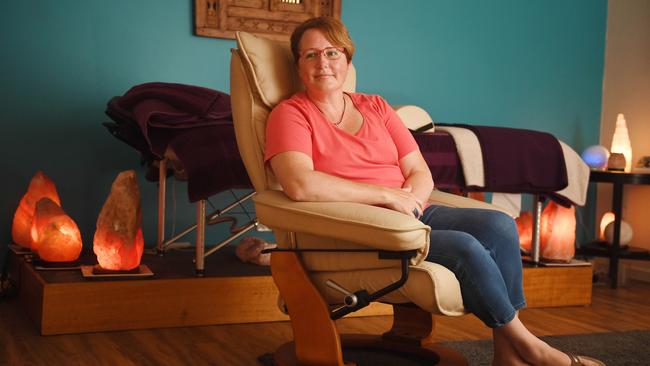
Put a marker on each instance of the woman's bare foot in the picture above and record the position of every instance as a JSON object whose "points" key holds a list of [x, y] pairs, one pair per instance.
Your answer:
{"points": [[553, 356], [531, 349], [504, 354]]}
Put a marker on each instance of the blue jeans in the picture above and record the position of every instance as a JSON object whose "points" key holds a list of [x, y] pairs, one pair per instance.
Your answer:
{"points": [[481, 247]]}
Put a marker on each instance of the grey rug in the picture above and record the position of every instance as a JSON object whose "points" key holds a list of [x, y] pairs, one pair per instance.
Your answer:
{"points": [[615, 349]]}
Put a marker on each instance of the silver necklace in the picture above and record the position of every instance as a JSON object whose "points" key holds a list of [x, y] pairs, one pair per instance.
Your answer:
{"points": [[336, 124], [342, 114]]}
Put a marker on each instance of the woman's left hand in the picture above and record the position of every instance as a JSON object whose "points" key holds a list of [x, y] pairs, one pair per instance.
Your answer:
{"points": [[419, 207]]}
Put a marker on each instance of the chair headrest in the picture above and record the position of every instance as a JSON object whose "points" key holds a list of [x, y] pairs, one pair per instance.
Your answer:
{"points": [[272, 69]]}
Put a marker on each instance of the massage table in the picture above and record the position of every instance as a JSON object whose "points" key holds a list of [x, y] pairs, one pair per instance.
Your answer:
{"points": [[187, 131]]}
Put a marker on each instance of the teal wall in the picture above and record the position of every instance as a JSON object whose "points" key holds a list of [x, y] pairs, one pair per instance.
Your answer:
{"points": [[534, 64]]}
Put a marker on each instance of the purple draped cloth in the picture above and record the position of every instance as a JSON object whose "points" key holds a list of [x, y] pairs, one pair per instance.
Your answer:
{"points": [[195, 122], [439, 151], [520, 161]]}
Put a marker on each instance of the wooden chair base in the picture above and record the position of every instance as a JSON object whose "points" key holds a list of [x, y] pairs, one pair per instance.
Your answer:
{"points": [[433, 354], [317, 341]]}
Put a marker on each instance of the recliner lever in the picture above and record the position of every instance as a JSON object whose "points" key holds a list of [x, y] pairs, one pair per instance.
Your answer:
{"points": [[349, 299], [363, 297], [360, 299]]}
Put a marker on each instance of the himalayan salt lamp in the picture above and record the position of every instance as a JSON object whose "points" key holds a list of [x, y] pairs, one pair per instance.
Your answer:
{"points": [[557, 232], [55, 236], [39, 187], [118, 241]]}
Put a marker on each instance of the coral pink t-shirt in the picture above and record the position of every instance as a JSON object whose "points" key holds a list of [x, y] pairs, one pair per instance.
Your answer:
{"points": [[371, 155]]}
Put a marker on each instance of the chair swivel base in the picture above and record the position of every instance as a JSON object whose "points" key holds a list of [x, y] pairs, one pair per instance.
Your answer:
{"points": [[431, 354]]}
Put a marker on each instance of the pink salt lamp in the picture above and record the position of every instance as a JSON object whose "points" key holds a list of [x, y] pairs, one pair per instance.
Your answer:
{"points": [[39, 187], [118, 241], [557, 232], [55, 236]]}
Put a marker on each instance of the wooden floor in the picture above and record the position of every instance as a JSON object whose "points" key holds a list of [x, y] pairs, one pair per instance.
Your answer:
{"points": [[626, 308]]}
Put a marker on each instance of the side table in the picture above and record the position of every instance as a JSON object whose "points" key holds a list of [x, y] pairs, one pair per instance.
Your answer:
{"points": [[615, 251]]}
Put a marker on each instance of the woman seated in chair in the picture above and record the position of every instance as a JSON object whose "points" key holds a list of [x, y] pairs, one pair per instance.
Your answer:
{"points": [[327, 145]]}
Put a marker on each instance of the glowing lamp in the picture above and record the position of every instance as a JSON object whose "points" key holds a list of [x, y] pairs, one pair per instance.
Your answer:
{"points": [[118, 241], [621, 141], [39, 187], [55, 236], [595, 156], [557, 232], [607, 218]]}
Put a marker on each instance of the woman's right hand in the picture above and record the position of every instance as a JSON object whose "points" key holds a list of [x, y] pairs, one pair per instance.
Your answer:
{"points": [[404, 201]]}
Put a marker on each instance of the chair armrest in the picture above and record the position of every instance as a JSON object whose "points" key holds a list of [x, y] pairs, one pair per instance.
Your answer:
{"points": [[371, 226], [453, 200], [414, 118]]}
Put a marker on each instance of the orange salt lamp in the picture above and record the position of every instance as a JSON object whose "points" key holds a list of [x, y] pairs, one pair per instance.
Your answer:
{"points": [[55, 236], [118, 241], [557, 232], [39, 187]]}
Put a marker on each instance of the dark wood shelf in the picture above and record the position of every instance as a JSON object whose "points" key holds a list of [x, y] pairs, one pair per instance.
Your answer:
{"points": [[603, 249], [612, 176], [615, 251]]}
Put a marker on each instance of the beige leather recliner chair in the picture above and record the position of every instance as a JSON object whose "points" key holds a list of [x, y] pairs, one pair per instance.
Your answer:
{"points": [[262, 74]]}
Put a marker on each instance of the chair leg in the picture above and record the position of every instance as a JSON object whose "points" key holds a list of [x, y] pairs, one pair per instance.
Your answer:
{"points": [[316, 338]]}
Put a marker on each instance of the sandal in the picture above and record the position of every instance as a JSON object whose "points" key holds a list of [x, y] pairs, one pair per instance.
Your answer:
{"points": [[576, 360]]}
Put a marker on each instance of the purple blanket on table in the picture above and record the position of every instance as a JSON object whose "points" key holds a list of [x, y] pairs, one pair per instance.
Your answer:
{"points": [[439, 151], [519, 160], [195, 122]]}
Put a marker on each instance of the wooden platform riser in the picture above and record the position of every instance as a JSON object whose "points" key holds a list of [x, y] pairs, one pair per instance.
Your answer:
{"points": [[557, 286], [93, 306]]}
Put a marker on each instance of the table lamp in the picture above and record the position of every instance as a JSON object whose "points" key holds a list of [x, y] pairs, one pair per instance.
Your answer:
{"points": [[621, 141]]}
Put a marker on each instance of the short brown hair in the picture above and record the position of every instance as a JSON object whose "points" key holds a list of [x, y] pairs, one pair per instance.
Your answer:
{"points": [[333, 29]]}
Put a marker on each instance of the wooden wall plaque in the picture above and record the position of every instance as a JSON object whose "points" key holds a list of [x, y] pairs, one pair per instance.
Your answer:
{"points": [[274, 19]]}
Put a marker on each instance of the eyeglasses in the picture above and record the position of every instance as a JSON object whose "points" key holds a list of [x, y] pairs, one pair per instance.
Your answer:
{"points": [[330, 53]]}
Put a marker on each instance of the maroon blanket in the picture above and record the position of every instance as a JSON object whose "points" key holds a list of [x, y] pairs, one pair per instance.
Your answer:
{"points": [[195, 122], [520, 161], [439, 151]]}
